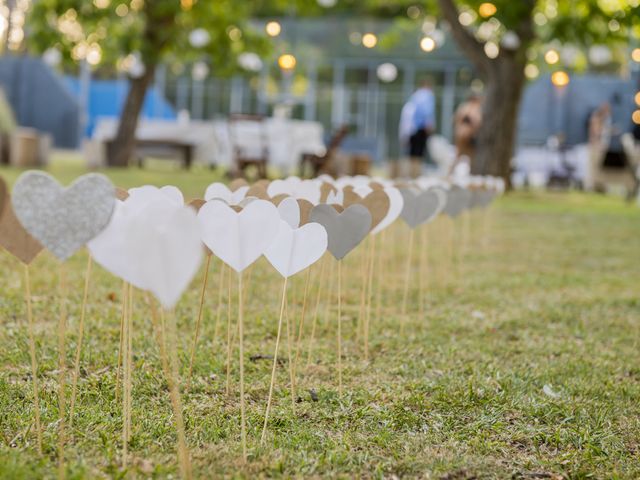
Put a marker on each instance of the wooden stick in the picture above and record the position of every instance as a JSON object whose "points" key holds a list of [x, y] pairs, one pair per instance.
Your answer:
{"points": [[292, 379], [363, 289], [125, 381], [315, 313], [76, 366], [34, 360], [176, 402], [301, 326], [129, 361], [367, 318], [228, 379], [219, 307], [122, 317], [423, 267], [62, 370], [340, 327], [195, 337], [275, 362], [407, 279], [243, 428], [382, 253]]}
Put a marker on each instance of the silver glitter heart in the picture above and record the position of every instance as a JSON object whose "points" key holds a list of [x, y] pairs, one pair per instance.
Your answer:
{"points": [[62, 219]]}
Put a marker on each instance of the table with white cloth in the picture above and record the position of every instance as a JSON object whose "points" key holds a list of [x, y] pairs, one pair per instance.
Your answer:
{"points": [[285, 140]]}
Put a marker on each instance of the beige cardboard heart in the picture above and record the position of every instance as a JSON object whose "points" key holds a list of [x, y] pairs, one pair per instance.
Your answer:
{"points": [[122, 194], [305, 210], [237, 183], [377, 202], [3, 194], [258, 191], [278, 198], [325, 189], [13, 237]]}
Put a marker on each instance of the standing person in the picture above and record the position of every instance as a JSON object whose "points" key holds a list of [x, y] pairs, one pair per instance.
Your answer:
{"points": [[466, 124], [417, 122]]}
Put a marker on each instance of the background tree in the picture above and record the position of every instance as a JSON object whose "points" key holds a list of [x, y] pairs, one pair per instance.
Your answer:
{"points": [[137, 36], [501, 37]]}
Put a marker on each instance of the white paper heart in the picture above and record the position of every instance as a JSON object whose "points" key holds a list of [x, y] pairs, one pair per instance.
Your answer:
{"points": [[164, 250], [238, 238], [221, 191], [289, 211], [296, 188], [295, 249], [396, 203], [63, 220]]}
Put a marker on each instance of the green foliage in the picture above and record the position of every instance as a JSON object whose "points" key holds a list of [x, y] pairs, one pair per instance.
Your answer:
{"points": [[157, 29]]}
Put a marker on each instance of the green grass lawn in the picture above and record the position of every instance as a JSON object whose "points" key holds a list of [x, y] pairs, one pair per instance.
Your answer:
{"points": [[524, 364]]}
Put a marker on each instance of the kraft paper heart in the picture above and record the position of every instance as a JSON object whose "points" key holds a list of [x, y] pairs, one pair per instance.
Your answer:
{"points": [[121, 193], [457, 201], [305, 209], [63, 220], [421, 206], [221, 191], [280, 197], [295, 249], [377, 202], [13, 237], [345, 230], [238, 238], [325, 189], [289, 211], [238, 183], [3, 194], [258, 191], [396, 203]]}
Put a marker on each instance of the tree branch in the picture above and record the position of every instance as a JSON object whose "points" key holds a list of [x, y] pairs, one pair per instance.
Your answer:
{"points": [[472, 48]]}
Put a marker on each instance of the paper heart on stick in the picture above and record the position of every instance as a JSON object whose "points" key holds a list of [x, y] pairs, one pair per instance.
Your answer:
{"points": [[376, 201], [396, 202], [421, 206], [63, 219], [164, 250], [258, 191], [305, 209], [289, 211], [295, 249], [238, 238], [13, 237], [294, 187], [221, 191], [238, 183], [458, 199], [345, 230]]}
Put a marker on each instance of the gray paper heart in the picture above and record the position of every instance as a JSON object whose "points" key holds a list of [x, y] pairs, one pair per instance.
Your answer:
{"points": [[63, 220], [458, 199], [421, 206], [344, 230]]}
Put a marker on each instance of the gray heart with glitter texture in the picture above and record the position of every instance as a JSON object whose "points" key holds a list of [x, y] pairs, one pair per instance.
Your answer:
{"points": [[458, 200], [421, 206], [62, 219], [345, 230]]}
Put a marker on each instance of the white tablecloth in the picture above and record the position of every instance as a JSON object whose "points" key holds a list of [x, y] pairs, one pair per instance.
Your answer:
{"points": [[286, 140]]}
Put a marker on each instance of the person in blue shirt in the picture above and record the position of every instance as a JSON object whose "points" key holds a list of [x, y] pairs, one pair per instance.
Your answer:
{"points": [[417, 122]]}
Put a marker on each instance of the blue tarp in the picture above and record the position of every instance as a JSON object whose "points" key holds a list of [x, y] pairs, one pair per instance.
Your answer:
{"points": [[106, 98]]}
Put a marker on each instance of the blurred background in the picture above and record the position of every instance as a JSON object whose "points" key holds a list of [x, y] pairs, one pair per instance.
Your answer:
{"points": [[544, 93]]}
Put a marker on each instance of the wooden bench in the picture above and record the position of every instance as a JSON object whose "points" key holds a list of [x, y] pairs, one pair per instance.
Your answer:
{"points": [[183, 149]]}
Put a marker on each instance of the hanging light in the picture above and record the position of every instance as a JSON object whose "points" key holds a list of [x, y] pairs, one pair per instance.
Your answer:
{"points": [[273, 28], [369, 40], [287, 62], [560, 78], [387, 72]]}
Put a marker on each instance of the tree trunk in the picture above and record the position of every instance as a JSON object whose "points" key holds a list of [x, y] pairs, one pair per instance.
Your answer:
{"points": [[122, 146], [497, 135]]}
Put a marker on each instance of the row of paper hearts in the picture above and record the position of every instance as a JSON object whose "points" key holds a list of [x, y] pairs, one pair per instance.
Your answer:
{"points": [[151, 239]]}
